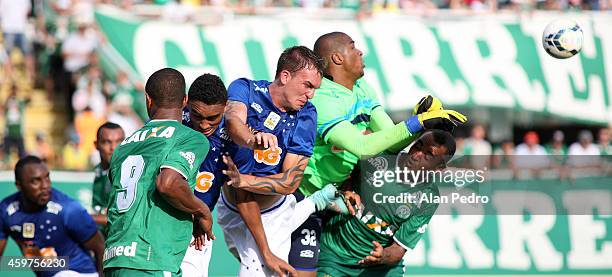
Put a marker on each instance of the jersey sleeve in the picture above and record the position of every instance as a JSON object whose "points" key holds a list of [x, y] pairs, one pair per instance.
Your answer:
{"points": [[329, 115], [411, 231], [188, 152], [305, 134], [3, 230], [78, 223], [238, 90]]}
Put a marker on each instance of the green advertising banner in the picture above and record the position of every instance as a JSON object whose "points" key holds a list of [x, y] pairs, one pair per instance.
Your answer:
{"points": [[472, 242], [476, 61]]}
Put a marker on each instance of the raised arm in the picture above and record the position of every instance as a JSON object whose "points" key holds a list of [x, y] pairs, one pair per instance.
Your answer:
{"points": [[96, 245], [235, 116], [283, 183]]}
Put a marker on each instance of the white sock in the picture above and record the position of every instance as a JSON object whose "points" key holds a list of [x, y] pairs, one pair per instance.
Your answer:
{"points": [[302, 211]]}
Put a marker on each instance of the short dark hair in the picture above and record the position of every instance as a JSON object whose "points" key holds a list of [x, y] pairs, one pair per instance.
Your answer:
{"points": [[209, 89], [297, 58], [107, 125], [22, 163], [166, 88], [444, 138]]}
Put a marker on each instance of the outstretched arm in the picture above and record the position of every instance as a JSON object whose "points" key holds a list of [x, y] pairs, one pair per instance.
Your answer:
{"points": [[283, 183]]}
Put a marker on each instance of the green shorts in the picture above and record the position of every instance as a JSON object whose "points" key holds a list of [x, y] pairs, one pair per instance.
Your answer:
{"points": [[328, 268], [128, 272]]}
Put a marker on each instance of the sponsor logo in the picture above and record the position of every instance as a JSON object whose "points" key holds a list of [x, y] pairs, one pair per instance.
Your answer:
{"points": [[155, 132], [127, 250], [307, 254], [189, 156], [54, 208], [257, 107], [422, 229], [204, 181], [268, 156]]}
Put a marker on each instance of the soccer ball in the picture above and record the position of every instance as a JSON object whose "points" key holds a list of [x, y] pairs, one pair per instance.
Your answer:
{"points": [[562, 38]]}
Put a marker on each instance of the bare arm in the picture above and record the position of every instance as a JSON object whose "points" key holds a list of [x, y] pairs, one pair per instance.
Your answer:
{"points": [[235, 116], [96, 245], [283, 183], [174, 188], [2, 246]]}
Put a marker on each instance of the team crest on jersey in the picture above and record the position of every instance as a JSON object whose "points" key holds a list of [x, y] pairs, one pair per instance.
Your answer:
{"points": [[28, 230], [189, 156], [403, 211], [272, 120]]}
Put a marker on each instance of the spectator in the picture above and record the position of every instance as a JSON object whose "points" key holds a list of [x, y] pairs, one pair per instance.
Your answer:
{"points": [[122, 114], [477, 148], [14, 20], [14, 112], [90, 97], [74, 158], [43, 150], [86, 125], [531, 155], [76, 51], [605, 145], [5, 64], [504, 155], [583, 153], [557, 148]]}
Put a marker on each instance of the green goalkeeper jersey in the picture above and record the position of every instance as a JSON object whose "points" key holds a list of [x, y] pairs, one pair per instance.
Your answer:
{"points": [[336, 103], [144, 231], [389, 212]]}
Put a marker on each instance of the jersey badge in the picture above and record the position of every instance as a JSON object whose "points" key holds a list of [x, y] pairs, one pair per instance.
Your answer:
{"points": [[189, 156], [272, 120], [28, 230]]}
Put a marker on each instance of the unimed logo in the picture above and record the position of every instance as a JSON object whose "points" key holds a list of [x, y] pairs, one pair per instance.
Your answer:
{"points": [[128, 251]]}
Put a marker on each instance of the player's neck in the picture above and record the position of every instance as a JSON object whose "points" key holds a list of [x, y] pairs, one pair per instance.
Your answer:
{"points": [[167, 114], [277, 97], [29, 206], [344, 80]]}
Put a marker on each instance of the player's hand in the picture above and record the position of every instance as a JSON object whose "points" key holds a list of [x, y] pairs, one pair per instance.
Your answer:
{"points": [[351, 199], [262, 141], [232, 172], [375, 256], [427, 104], [279, 266], [441, 119], [202, 231]]}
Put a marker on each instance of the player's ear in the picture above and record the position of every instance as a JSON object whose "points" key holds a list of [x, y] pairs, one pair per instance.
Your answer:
{"points": [[184, 101], [285, 76], [337, 58]]}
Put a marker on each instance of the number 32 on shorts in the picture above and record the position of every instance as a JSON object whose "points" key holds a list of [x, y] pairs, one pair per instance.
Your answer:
{"points": [[310, 237]]}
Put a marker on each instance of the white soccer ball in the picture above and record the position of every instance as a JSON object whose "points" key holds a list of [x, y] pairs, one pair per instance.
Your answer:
{"points": [[562, 38]]}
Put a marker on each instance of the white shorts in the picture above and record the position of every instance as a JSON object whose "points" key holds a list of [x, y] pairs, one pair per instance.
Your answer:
{"points": [[278, 226], [72, 273], [195, 263]]}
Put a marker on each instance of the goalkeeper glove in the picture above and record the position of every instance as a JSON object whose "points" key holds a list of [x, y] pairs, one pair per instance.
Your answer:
{"points": [[440, 119], [427, 104]]}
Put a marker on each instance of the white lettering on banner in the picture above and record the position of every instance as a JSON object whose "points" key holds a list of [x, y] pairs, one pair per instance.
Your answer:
{"points": [[560, 74], [423, 63], [585, 231], [454, 241], [270, 36], [230, 44], [516, 235], [150, 45], [602, 29], [477, 69]]}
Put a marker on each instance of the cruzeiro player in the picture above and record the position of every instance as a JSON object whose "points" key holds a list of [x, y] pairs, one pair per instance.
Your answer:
{"points": [[374, 241], [47, 223], [108, 137], [351, 124], [277, 121], [152, 205], [206, 102]]}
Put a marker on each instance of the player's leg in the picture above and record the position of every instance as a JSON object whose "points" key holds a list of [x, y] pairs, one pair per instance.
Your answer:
{"points": [[304, 252], [195, 263], [326, 198]]}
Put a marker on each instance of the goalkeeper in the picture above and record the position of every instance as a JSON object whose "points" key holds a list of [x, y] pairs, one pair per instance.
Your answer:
{"points": [[351, 124]]}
